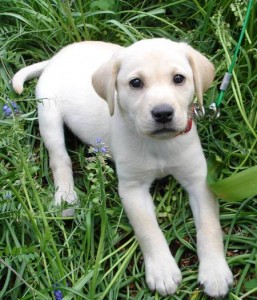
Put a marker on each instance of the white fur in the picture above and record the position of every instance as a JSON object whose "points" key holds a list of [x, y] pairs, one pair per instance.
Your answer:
{"points": [[71, 88]]}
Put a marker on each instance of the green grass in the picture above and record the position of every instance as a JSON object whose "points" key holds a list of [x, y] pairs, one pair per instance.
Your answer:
{"points": [[95, 255]]}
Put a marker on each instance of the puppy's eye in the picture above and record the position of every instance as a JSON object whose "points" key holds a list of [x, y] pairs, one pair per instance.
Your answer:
{"points": [[136, 83], [178, 79]]}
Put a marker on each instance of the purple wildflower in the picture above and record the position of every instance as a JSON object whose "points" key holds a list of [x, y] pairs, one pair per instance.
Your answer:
{"points": [[104, 149], [99, 146], [101, 150], [7, 110], [10, 107], [98, 140], [8, 195], [57, 293]]}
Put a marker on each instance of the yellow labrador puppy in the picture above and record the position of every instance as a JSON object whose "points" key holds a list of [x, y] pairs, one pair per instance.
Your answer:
{"points": [[149, 88]]}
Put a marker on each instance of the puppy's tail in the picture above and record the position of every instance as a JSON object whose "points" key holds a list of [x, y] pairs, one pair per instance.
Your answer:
{"points": [[27, 73]]}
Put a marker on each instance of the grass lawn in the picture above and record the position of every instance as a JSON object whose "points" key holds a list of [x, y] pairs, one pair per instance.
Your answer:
{"points": [[94, 255]]}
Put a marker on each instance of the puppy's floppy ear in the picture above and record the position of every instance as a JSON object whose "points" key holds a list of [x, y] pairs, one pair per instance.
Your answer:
{"points": [[104, 81], [203, 71]]}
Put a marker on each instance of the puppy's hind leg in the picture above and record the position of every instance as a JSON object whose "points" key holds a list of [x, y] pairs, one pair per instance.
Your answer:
{"points": [[52, 132]]}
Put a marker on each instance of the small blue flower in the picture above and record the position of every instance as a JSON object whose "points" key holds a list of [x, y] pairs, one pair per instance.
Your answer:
{"points": [[57, 293], [104, 150], [10, 107], [99, 146], [98, 140], [8, 195], [7, 110]]}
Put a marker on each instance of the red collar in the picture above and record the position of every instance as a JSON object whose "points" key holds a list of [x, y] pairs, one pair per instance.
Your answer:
{"points": [[188, 127], [189, 124]]}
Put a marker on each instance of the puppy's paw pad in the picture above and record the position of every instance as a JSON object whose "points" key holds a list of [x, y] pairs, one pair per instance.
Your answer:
{"points": [[216, 279]]}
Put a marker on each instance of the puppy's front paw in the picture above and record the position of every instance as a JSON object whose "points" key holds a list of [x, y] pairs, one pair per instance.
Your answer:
{"points": [[216, 277], [68, 196], [162, 274]]}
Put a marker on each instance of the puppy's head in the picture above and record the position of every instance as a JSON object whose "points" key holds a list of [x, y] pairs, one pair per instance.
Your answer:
{"points": [[155, 82]]}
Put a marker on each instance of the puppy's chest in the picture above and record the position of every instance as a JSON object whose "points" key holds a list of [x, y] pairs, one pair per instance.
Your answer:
{"points": [[161, 164], [147, 159], [152, 165]]}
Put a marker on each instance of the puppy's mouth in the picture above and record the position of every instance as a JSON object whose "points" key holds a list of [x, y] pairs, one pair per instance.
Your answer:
{"points": [[163, 131], [166, 131]]}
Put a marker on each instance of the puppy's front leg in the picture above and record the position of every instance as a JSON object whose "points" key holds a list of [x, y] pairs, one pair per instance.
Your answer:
{"points": [[162, 272], [214, 272]]}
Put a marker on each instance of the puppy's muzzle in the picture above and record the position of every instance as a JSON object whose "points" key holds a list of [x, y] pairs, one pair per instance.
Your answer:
{"points": [[162, 113]]}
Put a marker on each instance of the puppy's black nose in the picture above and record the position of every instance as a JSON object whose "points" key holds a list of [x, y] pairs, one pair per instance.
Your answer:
{"points": [[162, 113]]}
